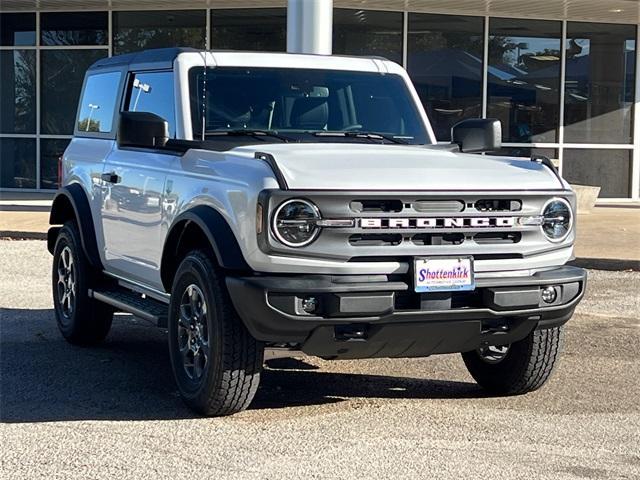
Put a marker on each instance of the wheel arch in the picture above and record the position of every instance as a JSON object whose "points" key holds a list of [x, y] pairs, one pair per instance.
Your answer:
{"points": [[71, 203], [201, 226]]}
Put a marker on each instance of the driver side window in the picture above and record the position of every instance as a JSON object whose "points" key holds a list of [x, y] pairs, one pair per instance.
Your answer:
{"points": [[153, 92]]}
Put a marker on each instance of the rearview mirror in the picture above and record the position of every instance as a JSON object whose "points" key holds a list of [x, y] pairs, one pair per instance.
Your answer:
{"points": [[142, 129], [477, 135]]}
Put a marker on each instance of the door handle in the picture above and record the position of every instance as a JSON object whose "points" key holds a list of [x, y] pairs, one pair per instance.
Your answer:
{"points": [[110, 177]]}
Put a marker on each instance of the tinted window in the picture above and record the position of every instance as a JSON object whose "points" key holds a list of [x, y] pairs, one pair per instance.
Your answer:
{"points": [[134, 31], [153, 92], [74, 28], [367, 32], [61, 76], [608, 169], [98, 103], [445, 63], [50, 151], [17, 91], [600, 81], [255, 29], [18, 163], [305, 101], [524, 78], [17, 29]]}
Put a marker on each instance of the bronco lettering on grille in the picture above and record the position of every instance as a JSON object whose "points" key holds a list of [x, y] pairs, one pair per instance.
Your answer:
{"points": [[437, 222]]}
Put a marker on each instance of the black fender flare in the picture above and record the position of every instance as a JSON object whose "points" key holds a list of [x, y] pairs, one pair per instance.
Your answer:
{"points": [[75, 197], [221, 238]]}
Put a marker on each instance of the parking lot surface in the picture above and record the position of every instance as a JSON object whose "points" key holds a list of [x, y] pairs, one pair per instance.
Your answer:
{"points": [[113, 411]]}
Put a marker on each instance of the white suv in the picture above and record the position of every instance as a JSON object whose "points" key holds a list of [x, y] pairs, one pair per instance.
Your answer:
{"points": [[301, 203]]}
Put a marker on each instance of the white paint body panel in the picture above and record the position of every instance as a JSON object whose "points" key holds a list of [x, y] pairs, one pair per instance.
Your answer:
{"points": [[396, 167]]}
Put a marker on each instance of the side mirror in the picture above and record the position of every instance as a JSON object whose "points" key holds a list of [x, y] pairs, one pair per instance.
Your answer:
{"points": [[142, 129], [477, 135]]}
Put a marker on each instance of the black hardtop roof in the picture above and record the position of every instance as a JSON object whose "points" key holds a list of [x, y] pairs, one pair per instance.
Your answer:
{"points": [[143, 60], [162, 58]]}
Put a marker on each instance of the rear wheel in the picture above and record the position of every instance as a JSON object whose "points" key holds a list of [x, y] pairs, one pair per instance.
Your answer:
{"points": [[215, 360], [81, 319], [518, 368]]}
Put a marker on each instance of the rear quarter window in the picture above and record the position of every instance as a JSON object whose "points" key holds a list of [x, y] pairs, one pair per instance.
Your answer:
{"points": [[98, 103]]}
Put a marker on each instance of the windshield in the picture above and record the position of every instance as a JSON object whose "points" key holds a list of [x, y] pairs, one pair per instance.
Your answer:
{"points": [[305, 103]]}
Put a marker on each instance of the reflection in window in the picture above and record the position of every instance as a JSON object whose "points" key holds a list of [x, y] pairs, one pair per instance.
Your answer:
{"points": [[445, 63], [98, 104], [17, 91], [608, 169], [526, 152], [61, 76], [134, 31], [599, 82], [253, 29], [153, 92], [50, 151], [17, 29], [367, 32], [524, 78], [18, 165], [73, 28]]}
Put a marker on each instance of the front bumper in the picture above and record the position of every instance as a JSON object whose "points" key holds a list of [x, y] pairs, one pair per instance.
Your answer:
{"points": [[361, 316]]}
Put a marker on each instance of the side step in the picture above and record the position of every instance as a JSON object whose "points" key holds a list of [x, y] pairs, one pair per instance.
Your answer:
{"points": [[134, 303]]}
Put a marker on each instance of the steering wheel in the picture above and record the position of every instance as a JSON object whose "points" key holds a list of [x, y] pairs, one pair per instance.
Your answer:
{"points": [[352, 128]]}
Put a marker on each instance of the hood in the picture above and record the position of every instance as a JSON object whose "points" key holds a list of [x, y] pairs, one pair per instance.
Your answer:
{"points": [[349, 166]]}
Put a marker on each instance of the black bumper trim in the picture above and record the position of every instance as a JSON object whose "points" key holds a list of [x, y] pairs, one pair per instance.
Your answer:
{"points": [[250, 296]]}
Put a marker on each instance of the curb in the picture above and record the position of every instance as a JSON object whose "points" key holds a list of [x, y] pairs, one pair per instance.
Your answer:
{"points": [[611, 264], [13, 235]]}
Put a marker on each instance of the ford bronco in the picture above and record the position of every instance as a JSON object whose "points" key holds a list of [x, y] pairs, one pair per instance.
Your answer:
{"points": [[300, 203]]}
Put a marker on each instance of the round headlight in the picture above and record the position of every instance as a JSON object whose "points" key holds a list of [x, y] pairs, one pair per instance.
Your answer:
{"points": [[294, 223], [557, 219]]}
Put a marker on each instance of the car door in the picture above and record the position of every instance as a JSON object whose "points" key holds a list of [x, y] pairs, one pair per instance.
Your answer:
{"points": [[133, 207]]}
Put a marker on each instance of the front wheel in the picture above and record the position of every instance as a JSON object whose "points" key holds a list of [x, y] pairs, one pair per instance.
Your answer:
{"points": [[215, 360], [518, 368]]}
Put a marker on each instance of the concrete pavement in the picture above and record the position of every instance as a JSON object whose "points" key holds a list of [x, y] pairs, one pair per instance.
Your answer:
{"points": [[113, 411]]}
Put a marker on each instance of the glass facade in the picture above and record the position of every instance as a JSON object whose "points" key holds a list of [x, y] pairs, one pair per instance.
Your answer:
{"points": [[600, 83], [134, 31], [606, 168], [444, 59], [90, 28], [17, 29], [367, 32], [17, 91], [580, 112], [523, 78], [255, 29], [18, 163]]}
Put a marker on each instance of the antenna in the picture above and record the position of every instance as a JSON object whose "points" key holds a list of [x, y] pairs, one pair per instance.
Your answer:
{"points": [[204, 85]]}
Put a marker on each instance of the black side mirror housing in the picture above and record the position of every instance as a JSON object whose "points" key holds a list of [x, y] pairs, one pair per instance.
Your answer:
{"points": [[476, 135], [142, 129]]}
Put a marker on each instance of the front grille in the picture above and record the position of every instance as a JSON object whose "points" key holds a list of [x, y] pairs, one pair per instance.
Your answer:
{"points": [[404, 225]]}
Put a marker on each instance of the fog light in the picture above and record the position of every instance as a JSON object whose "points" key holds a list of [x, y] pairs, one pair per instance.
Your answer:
{"points": [[310, 304], [549, 294]]}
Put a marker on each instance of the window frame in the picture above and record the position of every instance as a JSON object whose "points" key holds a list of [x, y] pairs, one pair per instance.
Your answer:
{"points": [[115, 120]]}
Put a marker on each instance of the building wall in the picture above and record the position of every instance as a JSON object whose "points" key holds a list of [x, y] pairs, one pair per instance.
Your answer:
{"points": [[566, 89]]}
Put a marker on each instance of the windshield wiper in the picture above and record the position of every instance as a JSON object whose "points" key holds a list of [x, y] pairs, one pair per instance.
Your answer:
{"points": [[367, 135], [248, 133]]}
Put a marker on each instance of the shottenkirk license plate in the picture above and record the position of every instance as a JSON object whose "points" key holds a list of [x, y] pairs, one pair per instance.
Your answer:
{"points": [[440, 274]]}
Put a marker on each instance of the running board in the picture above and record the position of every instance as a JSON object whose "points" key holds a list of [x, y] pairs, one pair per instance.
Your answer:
{"points": [[134, 303]]}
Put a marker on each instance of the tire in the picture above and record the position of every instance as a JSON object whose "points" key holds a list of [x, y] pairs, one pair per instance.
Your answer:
{"points": [[525, 366], [215, 360], [81, 319]]}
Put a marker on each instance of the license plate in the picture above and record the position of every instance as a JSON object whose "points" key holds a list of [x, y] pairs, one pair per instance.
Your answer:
{"points": [[444, 274]]}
